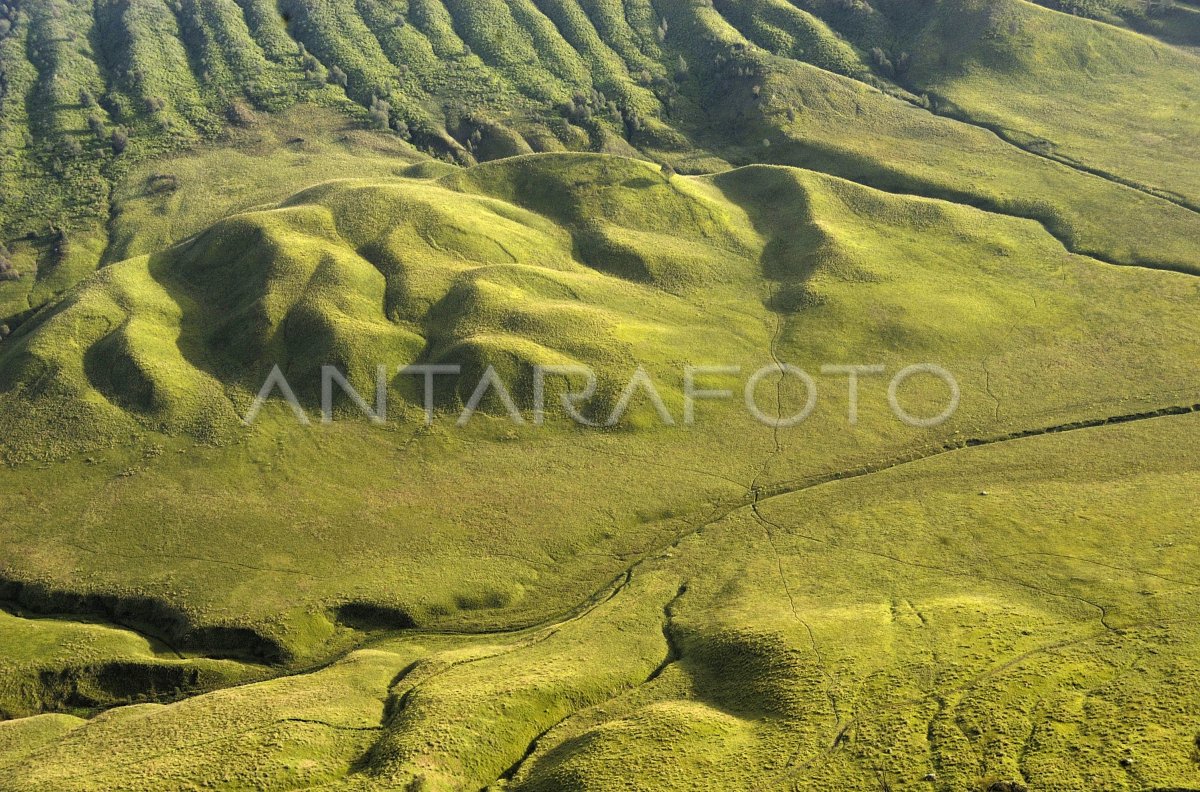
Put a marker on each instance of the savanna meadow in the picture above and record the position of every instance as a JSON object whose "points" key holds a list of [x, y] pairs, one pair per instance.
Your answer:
{"points": [[600, 395]]}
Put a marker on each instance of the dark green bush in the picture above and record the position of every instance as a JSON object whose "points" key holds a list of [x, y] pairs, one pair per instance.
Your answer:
{"points": [[7, 271]]}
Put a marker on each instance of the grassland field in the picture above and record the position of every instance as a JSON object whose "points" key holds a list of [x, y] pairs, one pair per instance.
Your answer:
{"points": [[192, 193]]}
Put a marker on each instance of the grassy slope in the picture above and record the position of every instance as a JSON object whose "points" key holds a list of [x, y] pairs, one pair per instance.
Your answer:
{"points": [[515, 263], [548, 259], [1111, 100], [793, 113], [826, 639], [165, 200], [673, 80]]}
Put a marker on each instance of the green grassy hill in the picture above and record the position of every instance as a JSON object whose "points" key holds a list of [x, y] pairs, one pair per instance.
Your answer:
{"points": [[122, 403], [194, 192], [89, 92]]}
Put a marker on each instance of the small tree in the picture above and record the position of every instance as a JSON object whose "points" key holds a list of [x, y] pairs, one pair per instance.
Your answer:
{"points": [[882, 62], [338, 77], [62, 243]]}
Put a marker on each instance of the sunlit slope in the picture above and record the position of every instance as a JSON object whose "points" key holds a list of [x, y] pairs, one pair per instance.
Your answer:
{"points": [[133, 388], [913, 627], [362, 274], [569, 260], [96, 98], [1110, 100], [772, 108], [1085, 92]]}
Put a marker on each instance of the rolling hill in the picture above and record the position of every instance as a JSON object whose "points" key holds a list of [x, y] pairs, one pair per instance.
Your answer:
{"points": [[90, 90], [197, 196]]}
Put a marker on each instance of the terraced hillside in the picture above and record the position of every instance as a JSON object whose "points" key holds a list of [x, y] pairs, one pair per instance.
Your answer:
{"points": [[197, 196]]}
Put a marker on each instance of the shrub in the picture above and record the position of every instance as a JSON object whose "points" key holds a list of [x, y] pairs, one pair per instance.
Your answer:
{"points": [[338, 77], [70, 148], [7, 271], [97, 125], [882, 63], [239, 114], [119, 141], [381, 113], [162, 184], [62, 243]]}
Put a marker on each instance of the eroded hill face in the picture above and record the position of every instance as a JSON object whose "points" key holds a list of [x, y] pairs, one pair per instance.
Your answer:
{"points": [[90, 93]]}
